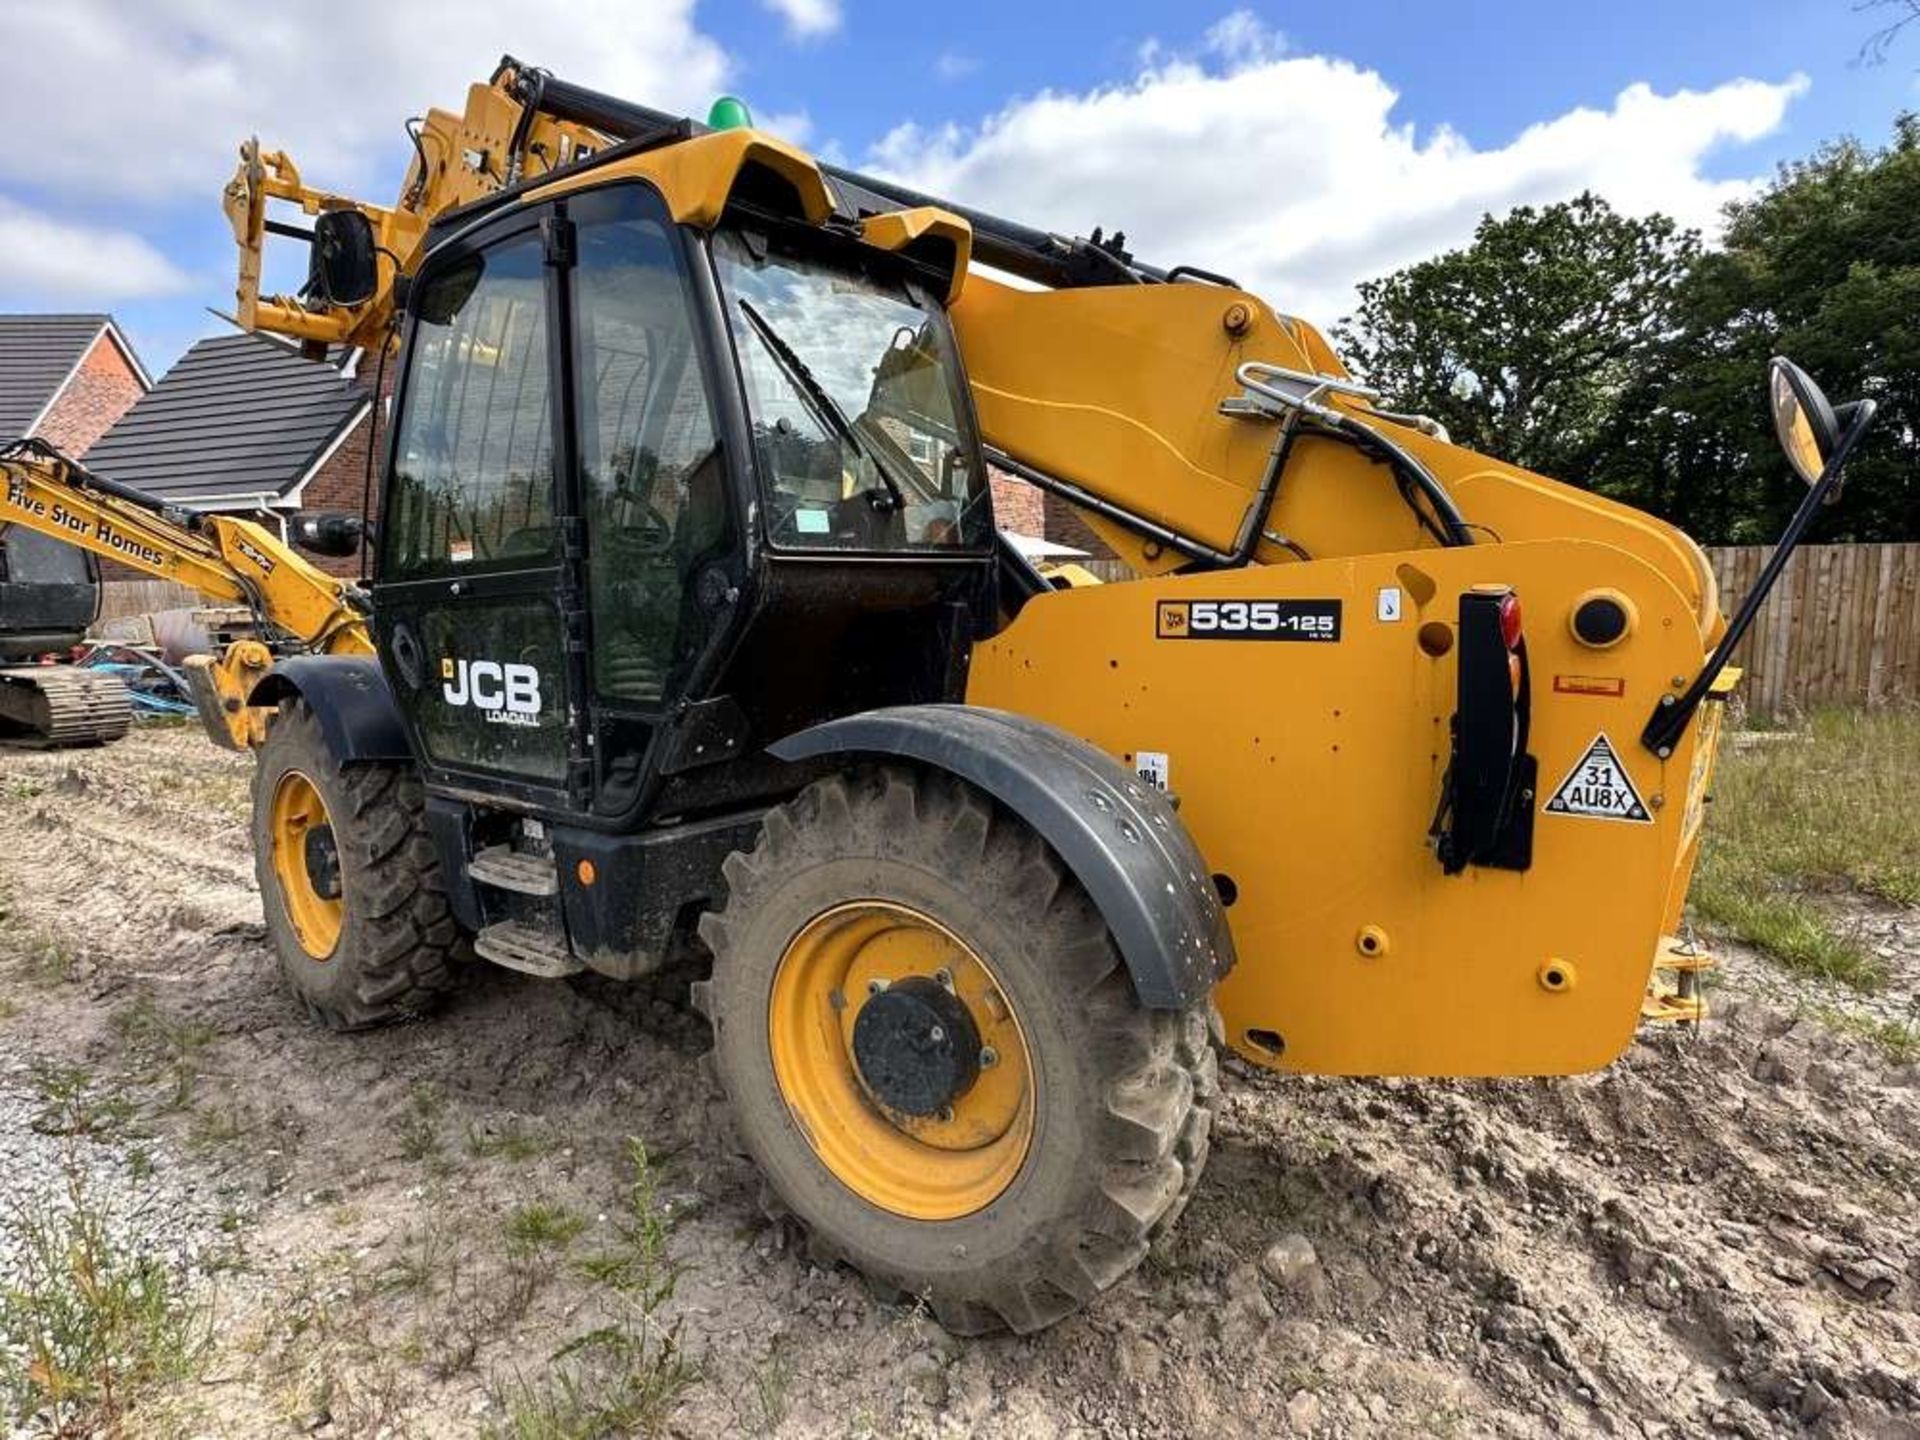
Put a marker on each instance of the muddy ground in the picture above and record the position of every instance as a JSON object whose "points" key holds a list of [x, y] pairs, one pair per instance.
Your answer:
{"points": [[399, 1231]]}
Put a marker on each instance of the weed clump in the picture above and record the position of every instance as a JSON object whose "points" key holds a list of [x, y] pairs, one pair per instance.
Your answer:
{"points": [[95, 1321]]}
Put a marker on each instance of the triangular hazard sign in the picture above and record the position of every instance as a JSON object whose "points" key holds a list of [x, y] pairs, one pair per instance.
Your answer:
{"points": [[1599, 787]]}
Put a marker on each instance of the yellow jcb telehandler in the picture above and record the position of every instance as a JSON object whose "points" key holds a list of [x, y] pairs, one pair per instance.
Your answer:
{"points": [[690, 617]]}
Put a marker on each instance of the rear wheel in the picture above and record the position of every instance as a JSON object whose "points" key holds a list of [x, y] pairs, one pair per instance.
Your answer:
{"points": [[349, 881], [933, 1051]]}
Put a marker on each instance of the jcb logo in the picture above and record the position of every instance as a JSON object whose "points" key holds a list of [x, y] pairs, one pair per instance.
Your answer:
{"points": [[506, 694]]}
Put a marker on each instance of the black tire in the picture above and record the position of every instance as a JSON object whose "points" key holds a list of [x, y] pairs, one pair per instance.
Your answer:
{"points": [[399, 944], [1123, 1095]]}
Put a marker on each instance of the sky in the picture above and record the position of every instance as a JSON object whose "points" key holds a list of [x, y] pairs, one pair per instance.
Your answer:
{"points": [[1299, 148]]}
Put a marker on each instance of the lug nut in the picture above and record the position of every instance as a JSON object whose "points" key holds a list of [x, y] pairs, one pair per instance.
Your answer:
{"points": [[989, 1057], [937, 1034], [944, 976], [875, 986]]}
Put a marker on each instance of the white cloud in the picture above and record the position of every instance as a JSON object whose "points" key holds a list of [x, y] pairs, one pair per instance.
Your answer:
{"points": [[45, 261], [807, 18], [1291, 174], [954, 65], [1242, 38], [147, 99]]}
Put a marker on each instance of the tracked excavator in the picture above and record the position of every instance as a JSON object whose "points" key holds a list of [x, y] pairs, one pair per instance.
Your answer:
{"points": [[49, 595], [690, 619]]}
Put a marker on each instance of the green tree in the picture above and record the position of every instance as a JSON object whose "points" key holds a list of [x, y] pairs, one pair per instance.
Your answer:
{"points": [[1823, 266], [1522, 343]]}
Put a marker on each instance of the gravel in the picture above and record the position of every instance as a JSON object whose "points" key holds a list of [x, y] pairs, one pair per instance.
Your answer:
{"points": [[153, 1204]]}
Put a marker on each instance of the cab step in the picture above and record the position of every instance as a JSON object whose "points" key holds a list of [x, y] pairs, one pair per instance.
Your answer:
{"points": [[528, 949], [505, 868]]}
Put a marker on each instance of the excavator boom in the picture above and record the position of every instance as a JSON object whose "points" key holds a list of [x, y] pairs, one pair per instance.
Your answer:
{"points": [[223, 558]]}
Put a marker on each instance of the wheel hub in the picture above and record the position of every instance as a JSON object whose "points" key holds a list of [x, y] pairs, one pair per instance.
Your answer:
{"points": [[916, 1047], [322, 855], [306, 864], [901, 1060]]}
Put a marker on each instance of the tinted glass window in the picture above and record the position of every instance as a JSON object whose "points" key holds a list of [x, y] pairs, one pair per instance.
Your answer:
{"points": [[852, 383], [652, 479], [473, 469]]}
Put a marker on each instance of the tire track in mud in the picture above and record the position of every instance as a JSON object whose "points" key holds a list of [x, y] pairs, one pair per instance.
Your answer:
{"points": [[117, 854]]}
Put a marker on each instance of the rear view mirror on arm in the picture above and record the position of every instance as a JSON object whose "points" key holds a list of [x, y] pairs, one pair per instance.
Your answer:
{"points": [[1802, 418], [1818, 438]]}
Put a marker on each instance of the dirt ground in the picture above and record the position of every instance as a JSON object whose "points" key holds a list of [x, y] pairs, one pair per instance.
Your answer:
{"points": [[399, 1230]]}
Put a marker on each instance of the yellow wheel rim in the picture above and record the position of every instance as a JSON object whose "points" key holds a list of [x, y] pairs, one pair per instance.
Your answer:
{"points": [[939, 1166], [295, 824]]}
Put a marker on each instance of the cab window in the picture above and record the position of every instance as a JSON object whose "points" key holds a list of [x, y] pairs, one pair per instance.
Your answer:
{"points": [[853, 388], [473, 466], [653, 480]]}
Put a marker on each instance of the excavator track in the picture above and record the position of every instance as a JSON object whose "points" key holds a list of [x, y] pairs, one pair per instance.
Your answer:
{"points": [[60, 707]]}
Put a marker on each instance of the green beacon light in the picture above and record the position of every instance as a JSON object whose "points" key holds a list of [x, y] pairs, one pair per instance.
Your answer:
{"points": [[729, 112]]}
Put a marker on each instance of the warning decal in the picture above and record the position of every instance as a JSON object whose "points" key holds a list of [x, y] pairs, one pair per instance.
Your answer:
{"points": [[1599, 787]]}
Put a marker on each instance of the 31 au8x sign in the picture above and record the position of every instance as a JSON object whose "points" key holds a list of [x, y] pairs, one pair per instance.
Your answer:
{"points": [[1599, 788]]}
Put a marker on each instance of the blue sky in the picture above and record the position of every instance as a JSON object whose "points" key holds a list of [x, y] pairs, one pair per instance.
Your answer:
{"points": [[1300, 148]]}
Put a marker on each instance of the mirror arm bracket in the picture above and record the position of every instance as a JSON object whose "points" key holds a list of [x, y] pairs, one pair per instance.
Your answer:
{"points": [[1671, 716]]}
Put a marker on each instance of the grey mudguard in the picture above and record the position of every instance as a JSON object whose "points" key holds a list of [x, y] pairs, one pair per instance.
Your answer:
{"points": [[1121, 838], [350, 698]]}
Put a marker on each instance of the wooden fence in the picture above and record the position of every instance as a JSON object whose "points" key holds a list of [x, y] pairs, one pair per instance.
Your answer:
{"points": [[1842, 626]]}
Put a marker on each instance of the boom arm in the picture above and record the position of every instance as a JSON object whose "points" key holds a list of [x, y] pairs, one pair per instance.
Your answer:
{"points": [[228, 560]]}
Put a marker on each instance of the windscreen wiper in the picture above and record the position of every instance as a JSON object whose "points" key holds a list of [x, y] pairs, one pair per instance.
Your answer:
{"points": [[825, 408]]}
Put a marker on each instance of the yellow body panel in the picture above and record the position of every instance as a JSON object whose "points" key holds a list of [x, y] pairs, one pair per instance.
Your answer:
{"points": [[697, 176], [1309, 773], [1118, 389]]}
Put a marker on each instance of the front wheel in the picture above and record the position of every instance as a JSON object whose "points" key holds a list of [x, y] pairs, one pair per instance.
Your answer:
{"points": [[349, 880], [933, 1051]]}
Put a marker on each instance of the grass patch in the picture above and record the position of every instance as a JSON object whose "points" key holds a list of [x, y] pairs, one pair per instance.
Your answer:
{"points": [[621, 1379], [512, 1142], [540, 1226], [1799, 819], [49, 960], [624, 1377], [1897, 1040], [163, 1050], [98, 1324], [419, 1125], [72, 1104]]}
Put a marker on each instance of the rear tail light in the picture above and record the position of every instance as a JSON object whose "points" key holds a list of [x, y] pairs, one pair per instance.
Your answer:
{"points": [[1510, 620]]}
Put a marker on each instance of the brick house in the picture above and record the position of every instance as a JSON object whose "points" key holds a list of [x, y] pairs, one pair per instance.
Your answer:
{"points": [[1025, 511], [243, 424], [65, 378]]}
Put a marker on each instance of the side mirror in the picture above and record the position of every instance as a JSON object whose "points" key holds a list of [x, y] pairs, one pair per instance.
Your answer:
{"points": [[1818, 439], [343, 269], [1808, 429]]}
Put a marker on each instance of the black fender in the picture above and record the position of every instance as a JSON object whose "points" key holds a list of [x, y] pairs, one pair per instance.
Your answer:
{"points": [[1121, 838], [349, 696]]}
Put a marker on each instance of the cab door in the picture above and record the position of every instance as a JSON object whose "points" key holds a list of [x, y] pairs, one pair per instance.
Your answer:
{"points": [[658, 500], [477, 577], [560, 561]]}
